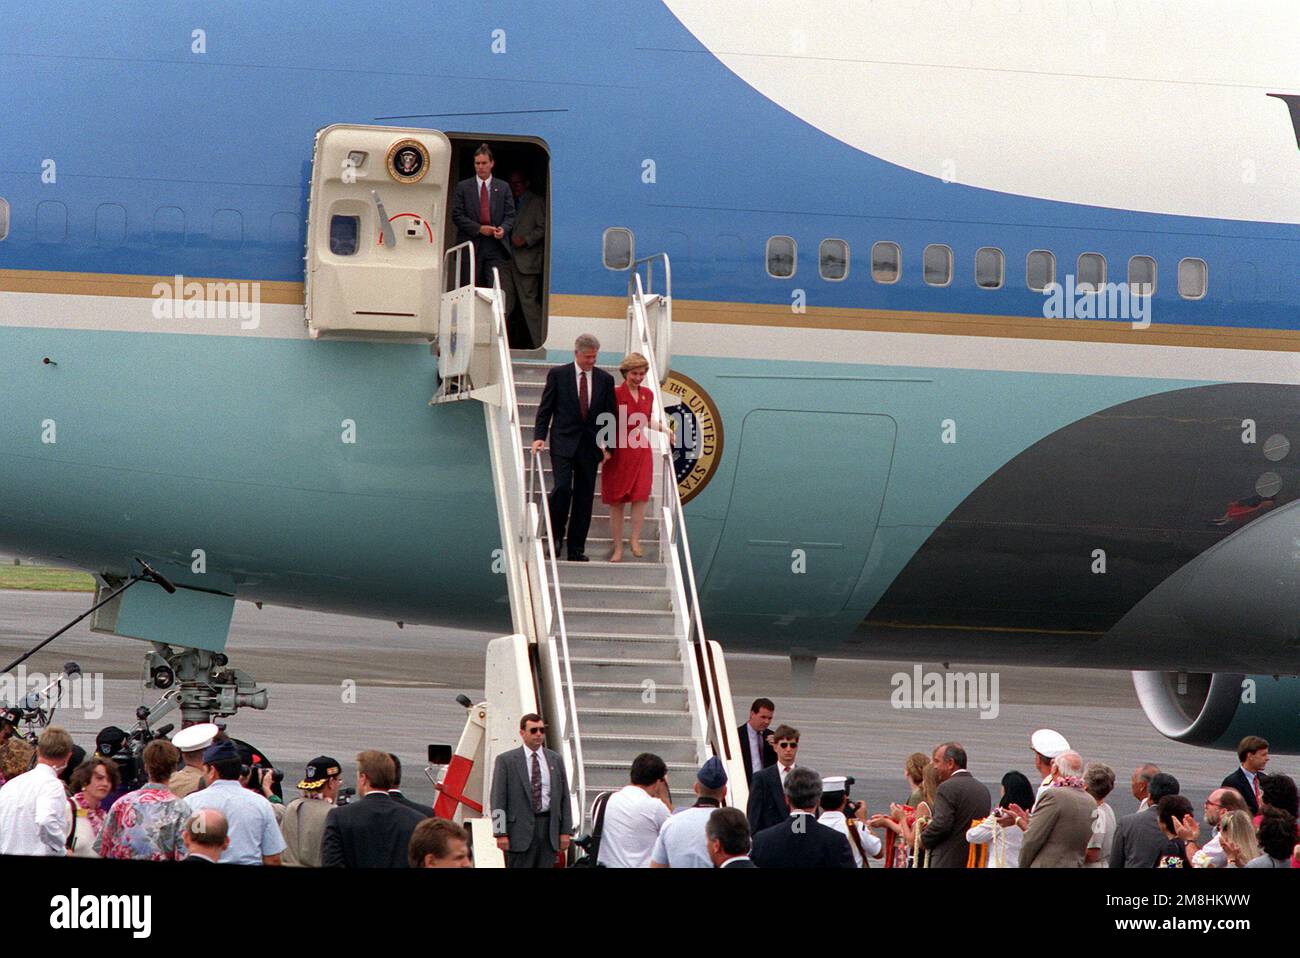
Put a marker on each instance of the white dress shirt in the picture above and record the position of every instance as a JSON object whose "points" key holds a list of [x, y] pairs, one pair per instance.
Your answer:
{"points": [[34, 814], [755, 748], [546, 774], [1004, 851], [870, 843]]}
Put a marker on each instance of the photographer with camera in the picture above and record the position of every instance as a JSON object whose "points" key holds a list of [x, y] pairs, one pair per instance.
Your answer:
{"points": [[837, 813], [255, 837]]}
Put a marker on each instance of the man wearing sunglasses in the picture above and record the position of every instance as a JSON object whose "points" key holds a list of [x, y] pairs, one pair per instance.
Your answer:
{"points": [[767, 789], [531, 818]]}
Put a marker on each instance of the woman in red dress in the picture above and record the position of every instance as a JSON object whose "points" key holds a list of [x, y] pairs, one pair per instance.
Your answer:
{"points": [[626, 477]]}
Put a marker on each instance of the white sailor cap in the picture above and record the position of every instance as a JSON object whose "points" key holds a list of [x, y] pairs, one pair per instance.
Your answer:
{"points": [[833, 783], [1048, 743], [196, 737]]}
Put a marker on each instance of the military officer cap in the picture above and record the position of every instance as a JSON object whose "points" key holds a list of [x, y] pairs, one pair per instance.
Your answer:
{"points": [[195, 738], [712, 774], [834, 783], [1048, 743]]}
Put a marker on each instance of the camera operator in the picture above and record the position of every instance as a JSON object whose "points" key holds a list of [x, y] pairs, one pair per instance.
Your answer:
{"points": [[254, 835], [837, 810], [113, 743], [262, 780]]}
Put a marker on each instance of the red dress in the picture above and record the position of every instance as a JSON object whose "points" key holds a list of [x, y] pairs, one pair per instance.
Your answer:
{"points": [[626, 476]]}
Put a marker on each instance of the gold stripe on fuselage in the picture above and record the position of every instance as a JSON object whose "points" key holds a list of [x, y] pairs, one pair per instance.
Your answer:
{"points": [[746, 314]]}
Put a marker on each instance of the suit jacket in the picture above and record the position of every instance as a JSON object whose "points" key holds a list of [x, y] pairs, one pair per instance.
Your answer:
{"points": [[959, 801], [371, 832], [738, 863], [812, 846], [1241, 783], [558, 413], [530, 226], [767, 805], [401, 799], [512, 794], [1059, 830], [464, 213], [1138, 840], [769, 753]]}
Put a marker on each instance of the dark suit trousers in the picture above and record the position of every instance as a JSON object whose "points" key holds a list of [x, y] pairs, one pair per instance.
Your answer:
{"points": [[540, 854], [570, 500]]}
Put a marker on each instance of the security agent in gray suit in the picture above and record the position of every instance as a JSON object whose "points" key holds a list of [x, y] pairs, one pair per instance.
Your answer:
{"points": [[530, 800], [1138, 838]]}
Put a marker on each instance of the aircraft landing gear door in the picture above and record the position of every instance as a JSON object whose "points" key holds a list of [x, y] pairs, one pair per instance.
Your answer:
{"points": [[375, 231]]}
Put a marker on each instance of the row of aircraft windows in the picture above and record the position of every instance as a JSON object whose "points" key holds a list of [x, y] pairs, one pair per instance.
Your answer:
{"points": [[618, 249], [990, 267], [169, 227]]}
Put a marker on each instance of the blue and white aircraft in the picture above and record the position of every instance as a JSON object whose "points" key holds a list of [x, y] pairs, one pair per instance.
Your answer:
{"points": [[990, 307]]}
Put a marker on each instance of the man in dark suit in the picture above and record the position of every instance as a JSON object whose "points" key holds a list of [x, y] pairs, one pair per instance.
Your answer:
{"points": [[726, 834], [522, 283], [767, 788], [1252, 752], [960, 800], [374, 831], [576, 407], [395, 794], [484, 213], [801, 841], [206, 835], [1138, 838], [531, 818], [755, 741]]}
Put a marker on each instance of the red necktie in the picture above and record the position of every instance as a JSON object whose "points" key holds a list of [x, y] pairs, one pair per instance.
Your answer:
{"points": [[583, 401], [484, 206]]}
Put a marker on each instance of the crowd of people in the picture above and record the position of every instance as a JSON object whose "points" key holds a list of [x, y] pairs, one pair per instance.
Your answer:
{"points": [[201, 802], [795, 818]]}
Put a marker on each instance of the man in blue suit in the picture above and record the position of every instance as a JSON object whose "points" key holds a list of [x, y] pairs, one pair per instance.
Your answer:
{"points": [[483, 210], [801, 841]]}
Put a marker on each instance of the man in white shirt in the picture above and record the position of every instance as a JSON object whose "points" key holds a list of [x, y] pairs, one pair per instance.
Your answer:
{"points": [[682, 842], [34, 812], [634, 814], [1221, 801], [835, 797]]}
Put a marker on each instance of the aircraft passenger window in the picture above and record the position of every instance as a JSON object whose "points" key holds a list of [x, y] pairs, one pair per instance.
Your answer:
{"points": [[885, 260], [937, 265], [4, 218], [990, 267], [1091, 272], [1040, 270], [617, 247], [1193, 278], [780, 257], [833, 260], [1142, 275], [344, 232]]}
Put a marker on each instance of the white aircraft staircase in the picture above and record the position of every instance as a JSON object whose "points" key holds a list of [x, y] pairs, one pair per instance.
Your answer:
{"points": [[612, 655]]}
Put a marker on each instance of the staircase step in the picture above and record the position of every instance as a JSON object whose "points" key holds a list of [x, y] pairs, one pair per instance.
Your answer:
{"points": [[605, 747], [622, 647], [619, 621], [623, 574], [594, 596], [651, 719], [629, 670], [629, 695], [605, 776]]}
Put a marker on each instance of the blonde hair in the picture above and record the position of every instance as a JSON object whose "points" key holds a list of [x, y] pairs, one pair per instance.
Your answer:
{"points": [[633, 361], [930, 783], [1239, 828], [915, 767]]}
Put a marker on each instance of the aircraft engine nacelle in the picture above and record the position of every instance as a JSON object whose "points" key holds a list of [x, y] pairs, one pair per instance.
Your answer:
{"points": [[1217, 710]]}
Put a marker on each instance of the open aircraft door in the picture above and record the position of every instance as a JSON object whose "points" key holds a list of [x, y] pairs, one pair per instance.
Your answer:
{"points": [[375, 231]]}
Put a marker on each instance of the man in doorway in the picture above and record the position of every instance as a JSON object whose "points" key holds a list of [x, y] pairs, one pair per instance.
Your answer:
{"points": [[484, 213], [522, 283]]}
